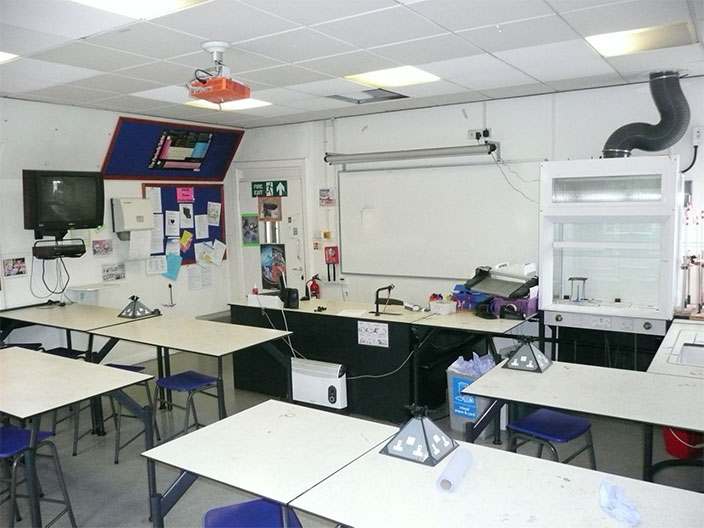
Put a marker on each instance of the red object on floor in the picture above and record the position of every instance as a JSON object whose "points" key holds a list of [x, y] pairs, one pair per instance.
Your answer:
{"points": [[676, 441]]}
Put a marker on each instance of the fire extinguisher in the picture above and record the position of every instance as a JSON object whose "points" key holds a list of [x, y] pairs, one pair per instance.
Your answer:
{"points": [[313, 288]]}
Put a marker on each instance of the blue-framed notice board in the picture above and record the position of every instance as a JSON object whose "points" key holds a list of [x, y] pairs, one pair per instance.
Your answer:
{"points": [[142, 149], [187, 213]]}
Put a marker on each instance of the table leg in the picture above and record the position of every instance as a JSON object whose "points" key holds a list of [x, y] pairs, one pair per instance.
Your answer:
{"points": [[160, 374], [30, 460], [162, 504], [221, 392], [648, 452], [473, 430], [146, 415], [167, 372]]}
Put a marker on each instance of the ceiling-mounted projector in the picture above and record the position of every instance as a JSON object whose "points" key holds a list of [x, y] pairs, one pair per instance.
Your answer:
{"points": [[214, 84]]}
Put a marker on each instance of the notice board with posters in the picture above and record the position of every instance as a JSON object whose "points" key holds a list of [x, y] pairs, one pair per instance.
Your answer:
{"points": [[189, 215]]}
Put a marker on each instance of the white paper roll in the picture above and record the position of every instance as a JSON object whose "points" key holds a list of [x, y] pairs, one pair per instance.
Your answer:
{"points": [[455, 469]]}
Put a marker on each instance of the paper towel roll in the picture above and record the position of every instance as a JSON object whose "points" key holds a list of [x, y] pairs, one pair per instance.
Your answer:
{"points": [[455, 469], [140, 244]]}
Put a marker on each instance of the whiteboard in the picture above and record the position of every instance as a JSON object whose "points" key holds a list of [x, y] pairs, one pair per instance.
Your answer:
{"points": [[439, 222]]}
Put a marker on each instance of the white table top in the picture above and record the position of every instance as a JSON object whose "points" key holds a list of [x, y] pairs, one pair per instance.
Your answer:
{"points": [[275, 450], [499, 489], [358, 310], [191, 335], [466, 320], [79, 317], [462, 320], [34, 382], [667, 358], [638, 396]]}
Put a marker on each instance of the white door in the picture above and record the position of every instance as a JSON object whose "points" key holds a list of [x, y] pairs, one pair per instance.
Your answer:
{"points": [[285, 230]]}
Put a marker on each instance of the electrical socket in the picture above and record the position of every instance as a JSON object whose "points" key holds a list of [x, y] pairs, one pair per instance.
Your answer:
{"points": [[697, 133], [479, 133]]}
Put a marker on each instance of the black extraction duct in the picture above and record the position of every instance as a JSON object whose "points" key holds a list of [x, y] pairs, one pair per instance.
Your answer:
{"points": [[674, 120]]}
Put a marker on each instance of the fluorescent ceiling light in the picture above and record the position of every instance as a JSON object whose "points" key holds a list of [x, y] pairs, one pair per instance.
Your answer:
{"points": [[139, 9], [7, 57], [644, 39], [401, 76], [241, 104]]}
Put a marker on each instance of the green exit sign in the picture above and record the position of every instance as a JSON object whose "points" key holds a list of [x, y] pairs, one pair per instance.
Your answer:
{"points": [[270, 188]]}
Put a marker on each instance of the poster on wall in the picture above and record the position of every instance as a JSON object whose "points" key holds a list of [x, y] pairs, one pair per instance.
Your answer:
{"points": [[14, 267], [250, 229], [269, 208], [273, 264]]}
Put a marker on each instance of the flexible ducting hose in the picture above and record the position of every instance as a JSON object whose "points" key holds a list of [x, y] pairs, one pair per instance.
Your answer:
{"points": [[674, 119]]}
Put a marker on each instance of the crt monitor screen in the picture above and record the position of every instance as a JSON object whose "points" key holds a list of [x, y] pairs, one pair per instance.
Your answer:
{"points": [[60, 200]]}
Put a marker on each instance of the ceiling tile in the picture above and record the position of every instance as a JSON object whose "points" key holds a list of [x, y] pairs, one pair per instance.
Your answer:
{"points": [[517, 91], [679, 58], [237, 60], [319, 103], [562, 6], [225, 20], [147, 39], [381, 27], [60, 17], [115, 83], [168, 94], [349, 64], [126, 103], [463, 14], [27, 75], [79, 53], [278, 95], [627, 15], [478, 72], [581, 83], [430, 49], [284, 76], [296, 45], [21, 41], [325, 88], [70, 94], [429, 89], [161, 72], [557, 61], [521, 34], [309, 12], [181, 111]]}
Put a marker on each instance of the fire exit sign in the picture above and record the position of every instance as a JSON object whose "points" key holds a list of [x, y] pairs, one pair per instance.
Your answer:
{"points": [[270, 188]]}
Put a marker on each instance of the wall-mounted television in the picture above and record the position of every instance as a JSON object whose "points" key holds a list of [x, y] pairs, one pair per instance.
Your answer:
{"points": [[56, 201]]}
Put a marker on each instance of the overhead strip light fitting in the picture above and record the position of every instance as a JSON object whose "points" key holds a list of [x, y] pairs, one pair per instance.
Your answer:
{"points": [[644, 39], [393, 77], [394, 155]]}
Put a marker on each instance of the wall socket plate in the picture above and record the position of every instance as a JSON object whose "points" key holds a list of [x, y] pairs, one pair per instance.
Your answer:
{"points": [[697, 133], [472, 133]]}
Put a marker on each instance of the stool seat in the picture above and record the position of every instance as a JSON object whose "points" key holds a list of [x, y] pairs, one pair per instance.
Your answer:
{"points": [[131, 368], [186, 381], [551, 425], [69, 353], [257, 513], [13, 440]]}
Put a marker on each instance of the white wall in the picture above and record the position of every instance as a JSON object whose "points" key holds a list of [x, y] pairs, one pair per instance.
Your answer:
{"points": [[47, 136], [572, 125]]}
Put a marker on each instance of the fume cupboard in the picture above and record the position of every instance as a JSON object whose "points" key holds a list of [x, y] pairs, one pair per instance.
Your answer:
{"points": [[608, 243]]}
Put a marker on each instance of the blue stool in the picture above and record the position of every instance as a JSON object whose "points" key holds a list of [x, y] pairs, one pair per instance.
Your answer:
{"points": [[14, 443], [117, 413], [193, 383], [258, 513], [545, 426]]}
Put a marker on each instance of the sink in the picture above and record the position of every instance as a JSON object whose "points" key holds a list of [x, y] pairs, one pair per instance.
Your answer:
{"points": [[692, 354]]}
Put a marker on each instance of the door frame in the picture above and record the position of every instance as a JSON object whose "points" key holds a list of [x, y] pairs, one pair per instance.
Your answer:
{"points": [[294, 165]]}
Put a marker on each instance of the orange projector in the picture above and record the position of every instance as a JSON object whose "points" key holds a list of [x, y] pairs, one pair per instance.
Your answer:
{"points": [[218, 90]]}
